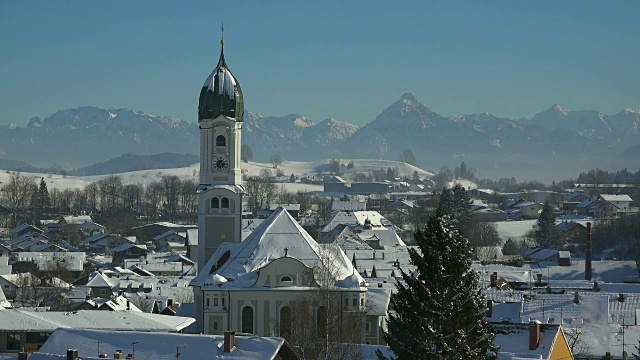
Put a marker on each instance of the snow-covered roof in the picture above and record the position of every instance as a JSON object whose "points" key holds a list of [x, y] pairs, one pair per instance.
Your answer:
{"points": [[616, 198], [96, 237], [203, 188], [267, 243], [160, 345], [100, 280], [19, 320], [90, 224], [515, 343], [192, 236], [128, 246], [387, 237], [77, 220], [22, 227], [73, 260]]}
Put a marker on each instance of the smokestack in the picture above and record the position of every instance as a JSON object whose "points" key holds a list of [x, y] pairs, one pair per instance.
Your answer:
{"points": [[534, 336], [229, 340], [587, 255]]}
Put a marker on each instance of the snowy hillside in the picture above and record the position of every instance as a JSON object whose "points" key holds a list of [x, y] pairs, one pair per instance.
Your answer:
{"points": [[297, 168]]}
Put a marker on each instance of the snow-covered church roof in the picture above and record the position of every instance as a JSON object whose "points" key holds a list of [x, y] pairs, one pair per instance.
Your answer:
{"points": [[277, 236]]}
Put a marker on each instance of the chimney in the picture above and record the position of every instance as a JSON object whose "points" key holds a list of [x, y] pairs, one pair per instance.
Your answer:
{"points": [[539, 276], [23, 355], [621, 297], [493, 278], [379, 285], [596, 286], [587, 255], [576, 298], [374, 254], [229, 340], [128, 304], [534, 336], [382, 256], [118, 354], [130, 357], [72, 354], [489, 308]]}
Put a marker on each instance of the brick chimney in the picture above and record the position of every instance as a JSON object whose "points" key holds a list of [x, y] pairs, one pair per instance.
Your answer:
{"points": [[587, 255], [72, 354], [534, 336], [229, 340], [118, 354]]}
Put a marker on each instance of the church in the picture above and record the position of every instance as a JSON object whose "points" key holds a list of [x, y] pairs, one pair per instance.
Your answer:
{"points": [[256, 285]]}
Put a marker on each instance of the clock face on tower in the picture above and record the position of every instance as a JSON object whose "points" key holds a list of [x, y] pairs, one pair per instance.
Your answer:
{"points": [[220, 163]]}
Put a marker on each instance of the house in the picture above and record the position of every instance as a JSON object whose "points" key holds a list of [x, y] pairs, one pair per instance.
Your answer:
{"points": [[622, 202], [249, 286], [4, 250], [348, 206], [531, 341], [192, 244], [24, 229], [27, 329], [44, 261], [90, 228], [128, 251], [575, 231], [100, 286], [526, 209], [170, 241], [563, 258], [147, 232], [162, 345]]}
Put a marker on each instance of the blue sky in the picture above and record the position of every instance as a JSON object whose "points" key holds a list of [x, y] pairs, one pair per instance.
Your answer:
{"points": [[347, 60]]}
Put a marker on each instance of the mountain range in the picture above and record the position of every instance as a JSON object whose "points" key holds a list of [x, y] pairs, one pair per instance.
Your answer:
{"points": [[554, 144]]}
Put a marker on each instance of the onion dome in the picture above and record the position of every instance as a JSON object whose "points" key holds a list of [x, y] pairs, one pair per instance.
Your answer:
{"points": [[221, 93]]}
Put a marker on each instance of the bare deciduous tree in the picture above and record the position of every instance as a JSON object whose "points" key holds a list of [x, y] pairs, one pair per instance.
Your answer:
{"points": [[320, 325]]}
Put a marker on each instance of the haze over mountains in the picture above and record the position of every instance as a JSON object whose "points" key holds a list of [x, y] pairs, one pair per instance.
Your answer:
{"points": [[554, 144]]}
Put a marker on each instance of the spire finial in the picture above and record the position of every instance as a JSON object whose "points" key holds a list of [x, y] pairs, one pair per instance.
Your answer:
{"points": [[222, 39]]}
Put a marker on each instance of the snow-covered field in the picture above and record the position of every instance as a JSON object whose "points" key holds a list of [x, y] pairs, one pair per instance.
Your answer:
{"points": [[251, 168], [514, 229]]}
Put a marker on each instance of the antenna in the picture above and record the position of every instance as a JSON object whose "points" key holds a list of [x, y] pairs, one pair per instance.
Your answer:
{"points": [[178, 347], [222, 39]]}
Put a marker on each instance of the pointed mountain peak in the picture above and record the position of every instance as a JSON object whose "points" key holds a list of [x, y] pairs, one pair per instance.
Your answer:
{"points": [[409, 97], [559, 109]]}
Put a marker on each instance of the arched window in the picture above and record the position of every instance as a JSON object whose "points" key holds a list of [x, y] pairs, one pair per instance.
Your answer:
{"points": [[247, 320], [286, 278], [215, 203], [221, 141], [285, 321], [225, 203], [321, 326]]}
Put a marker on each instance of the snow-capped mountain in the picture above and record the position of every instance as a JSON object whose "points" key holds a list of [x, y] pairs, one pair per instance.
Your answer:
{"points": [[558, 141]]}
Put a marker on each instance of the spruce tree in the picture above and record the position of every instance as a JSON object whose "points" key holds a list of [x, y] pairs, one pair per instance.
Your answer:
{"points": [[545, 232], [438, 311], [456, 203]]}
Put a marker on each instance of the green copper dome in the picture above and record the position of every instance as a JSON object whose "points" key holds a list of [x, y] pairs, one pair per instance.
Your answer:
{"points": [[221, 94]]}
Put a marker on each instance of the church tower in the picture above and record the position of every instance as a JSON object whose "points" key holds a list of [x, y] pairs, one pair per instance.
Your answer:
{"points": [[220, 111]]}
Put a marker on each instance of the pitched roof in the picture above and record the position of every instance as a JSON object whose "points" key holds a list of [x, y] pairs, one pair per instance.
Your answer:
{"points": [[268, 242], [616, 198], [100, 280], [154, 345]]}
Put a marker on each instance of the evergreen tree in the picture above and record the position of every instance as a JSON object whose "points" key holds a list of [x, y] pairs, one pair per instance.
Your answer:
{"points": [[456, 203], [439, 310], [544, 231], [510, 248]]}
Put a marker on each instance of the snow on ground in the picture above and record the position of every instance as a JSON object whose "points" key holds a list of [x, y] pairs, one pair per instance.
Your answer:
{"points": [[514, 229], [251, 168], [467, 184]]}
